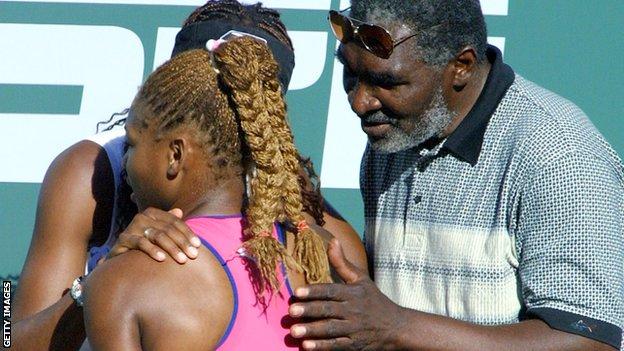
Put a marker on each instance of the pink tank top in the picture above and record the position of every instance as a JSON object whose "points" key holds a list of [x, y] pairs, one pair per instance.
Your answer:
{"points": [[252, 326]]}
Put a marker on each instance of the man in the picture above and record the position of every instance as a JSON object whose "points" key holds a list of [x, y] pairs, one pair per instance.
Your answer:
{"points": [[494, 209]]}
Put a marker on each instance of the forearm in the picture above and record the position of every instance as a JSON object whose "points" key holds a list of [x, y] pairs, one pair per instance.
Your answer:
{"points": [[58, 327], [423, 331]]}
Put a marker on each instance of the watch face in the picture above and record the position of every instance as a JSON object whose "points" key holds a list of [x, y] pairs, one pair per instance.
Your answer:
{"points": [[76, 291]]}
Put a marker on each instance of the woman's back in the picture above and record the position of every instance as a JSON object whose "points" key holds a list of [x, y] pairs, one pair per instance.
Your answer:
{"points": [[254, 324], [208, 303]]}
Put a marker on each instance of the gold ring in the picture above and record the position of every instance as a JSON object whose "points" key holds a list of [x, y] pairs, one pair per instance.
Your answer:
{"points": [[147, 233]]}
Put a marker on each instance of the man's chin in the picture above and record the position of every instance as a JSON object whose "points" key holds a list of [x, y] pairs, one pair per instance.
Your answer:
{"points": [[389, 146]]}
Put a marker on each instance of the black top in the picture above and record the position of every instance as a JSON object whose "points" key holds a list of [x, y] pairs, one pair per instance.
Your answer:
{"points": [[465, 142]]}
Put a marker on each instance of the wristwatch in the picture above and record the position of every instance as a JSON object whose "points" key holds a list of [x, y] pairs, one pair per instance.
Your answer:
{"points": [[76, 291]]}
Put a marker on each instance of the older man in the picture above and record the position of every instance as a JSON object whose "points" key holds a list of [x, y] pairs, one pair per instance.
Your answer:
{"points": [[494, 208]]}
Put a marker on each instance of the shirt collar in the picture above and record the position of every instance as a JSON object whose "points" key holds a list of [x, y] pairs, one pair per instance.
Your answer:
{"points": [[466, 141]]}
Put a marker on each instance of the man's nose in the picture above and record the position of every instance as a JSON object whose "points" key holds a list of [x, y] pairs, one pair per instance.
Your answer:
{"points": [[362, 100]]}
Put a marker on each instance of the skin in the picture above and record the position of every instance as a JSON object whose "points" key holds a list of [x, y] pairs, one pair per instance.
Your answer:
{"points": [[69, 213], [356, 315], [74, 208], [165, 171]]}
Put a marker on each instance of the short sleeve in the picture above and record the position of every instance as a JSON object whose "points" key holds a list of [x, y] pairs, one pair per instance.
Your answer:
{"points": [[571, 246]]}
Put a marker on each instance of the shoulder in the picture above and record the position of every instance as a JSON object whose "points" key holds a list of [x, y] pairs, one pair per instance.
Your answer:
{"points": [[542, 127], [166, 298], [79, 186], [79, 161], [349, 239], [136, 276]]}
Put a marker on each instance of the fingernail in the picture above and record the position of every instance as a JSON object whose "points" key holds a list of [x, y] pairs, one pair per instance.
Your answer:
{"points": [[296, 310], [193, 251], [181, 257], [195, 241], [302, 292], [160, 256], [298, 331], [308, 344]]}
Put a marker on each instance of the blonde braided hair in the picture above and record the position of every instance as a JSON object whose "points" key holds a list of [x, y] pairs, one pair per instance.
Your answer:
{"points": [[250, 72], [242, 108]]}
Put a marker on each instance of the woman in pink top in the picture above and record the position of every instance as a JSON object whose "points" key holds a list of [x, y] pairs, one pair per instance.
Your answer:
{"points": [[208, 134]]}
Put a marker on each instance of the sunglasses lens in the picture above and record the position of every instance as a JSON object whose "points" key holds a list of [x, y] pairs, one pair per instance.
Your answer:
{"points": [[376, 39], [341, 26]]}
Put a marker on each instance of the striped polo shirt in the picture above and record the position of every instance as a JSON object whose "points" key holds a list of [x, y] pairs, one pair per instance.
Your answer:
{"points": [[518, 214]]}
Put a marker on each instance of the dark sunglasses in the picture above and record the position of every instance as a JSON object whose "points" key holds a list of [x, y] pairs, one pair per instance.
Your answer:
{"points": [[376, 39]]}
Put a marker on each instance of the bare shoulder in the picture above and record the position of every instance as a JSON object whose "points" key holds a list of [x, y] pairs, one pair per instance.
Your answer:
{"points": [[349, 240], [132, 293], [79, 186], [75, 197]]}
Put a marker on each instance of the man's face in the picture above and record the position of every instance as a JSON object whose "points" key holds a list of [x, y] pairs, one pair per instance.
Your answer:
{"points": [[400, 100]]}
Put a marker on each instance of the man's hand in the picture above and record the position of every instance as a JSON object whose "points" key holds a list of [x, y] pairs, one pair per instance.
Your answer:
{"points": [[351, 316], [154, 231]]}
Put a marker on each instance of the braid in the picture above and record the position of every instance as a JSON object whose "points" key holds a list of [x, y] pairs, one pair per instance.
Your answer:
{"points": [[238, 113], [237, 13], [309, 249], [269, 21], [249, 71]]}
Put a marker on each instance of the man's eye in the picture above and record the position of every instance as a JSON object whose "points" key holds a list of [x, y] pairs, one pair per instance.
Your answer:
{"points": [[387, 84]]}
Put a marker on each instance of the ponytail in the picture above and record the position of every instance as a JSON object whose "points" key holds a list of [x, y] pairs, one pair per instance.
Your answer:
{"points": [[249, 73]]}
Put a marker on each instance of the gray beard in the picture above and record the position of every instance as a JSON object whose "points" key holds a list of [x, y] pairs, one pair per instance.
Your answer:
{"points": [[432, 122]]}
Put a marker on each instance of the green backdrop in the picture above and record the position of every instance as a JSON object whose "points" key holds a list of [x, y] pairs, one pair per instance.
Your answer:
{"points": [[572, 47]]}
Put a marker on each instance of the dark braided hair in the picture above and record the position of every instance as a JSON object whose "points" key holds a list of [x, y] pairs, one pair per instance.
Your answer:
{"points": [[237, 13]]}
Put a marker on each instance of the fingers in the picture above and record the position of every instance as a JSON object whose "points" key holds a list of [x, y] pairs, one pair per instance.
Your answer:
{"points": [[345, 269], [331, 344], [128, 242], [171, 223], [156, 240], [327, 329], [169, 238], [335, 292], [317, 309], [174, 218], [176, 212], [157, 232], [183, 228]]}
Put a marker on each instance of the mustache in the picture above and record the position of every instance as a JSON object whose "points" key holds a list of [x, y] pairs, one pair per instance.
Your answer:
{"points": [[377, 117]]}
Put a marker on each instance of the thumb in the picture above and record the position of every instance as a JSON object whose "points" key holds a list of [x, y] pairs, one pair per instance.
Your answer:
{"points": [[345, 269], [176, 212]]}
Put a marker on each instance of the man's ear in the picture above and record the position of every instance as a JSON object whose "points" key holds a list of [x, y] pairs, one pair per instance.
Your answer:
{"points": [[178, 149], [463, 67]]}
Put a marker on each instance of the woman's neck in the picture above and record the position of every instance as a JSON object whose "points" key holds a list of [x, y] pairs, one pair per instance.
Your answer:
{"points": [[225, 198]]}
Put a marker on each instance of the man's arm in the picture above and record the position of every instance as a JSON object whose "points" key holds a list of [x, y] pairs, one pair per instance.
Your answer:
{"points": [[357, 316]]}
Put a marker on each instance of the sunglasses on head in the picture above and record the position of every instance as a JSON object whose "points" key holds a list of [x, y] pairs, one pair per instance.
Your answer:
{"points": [[376, 39]]}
